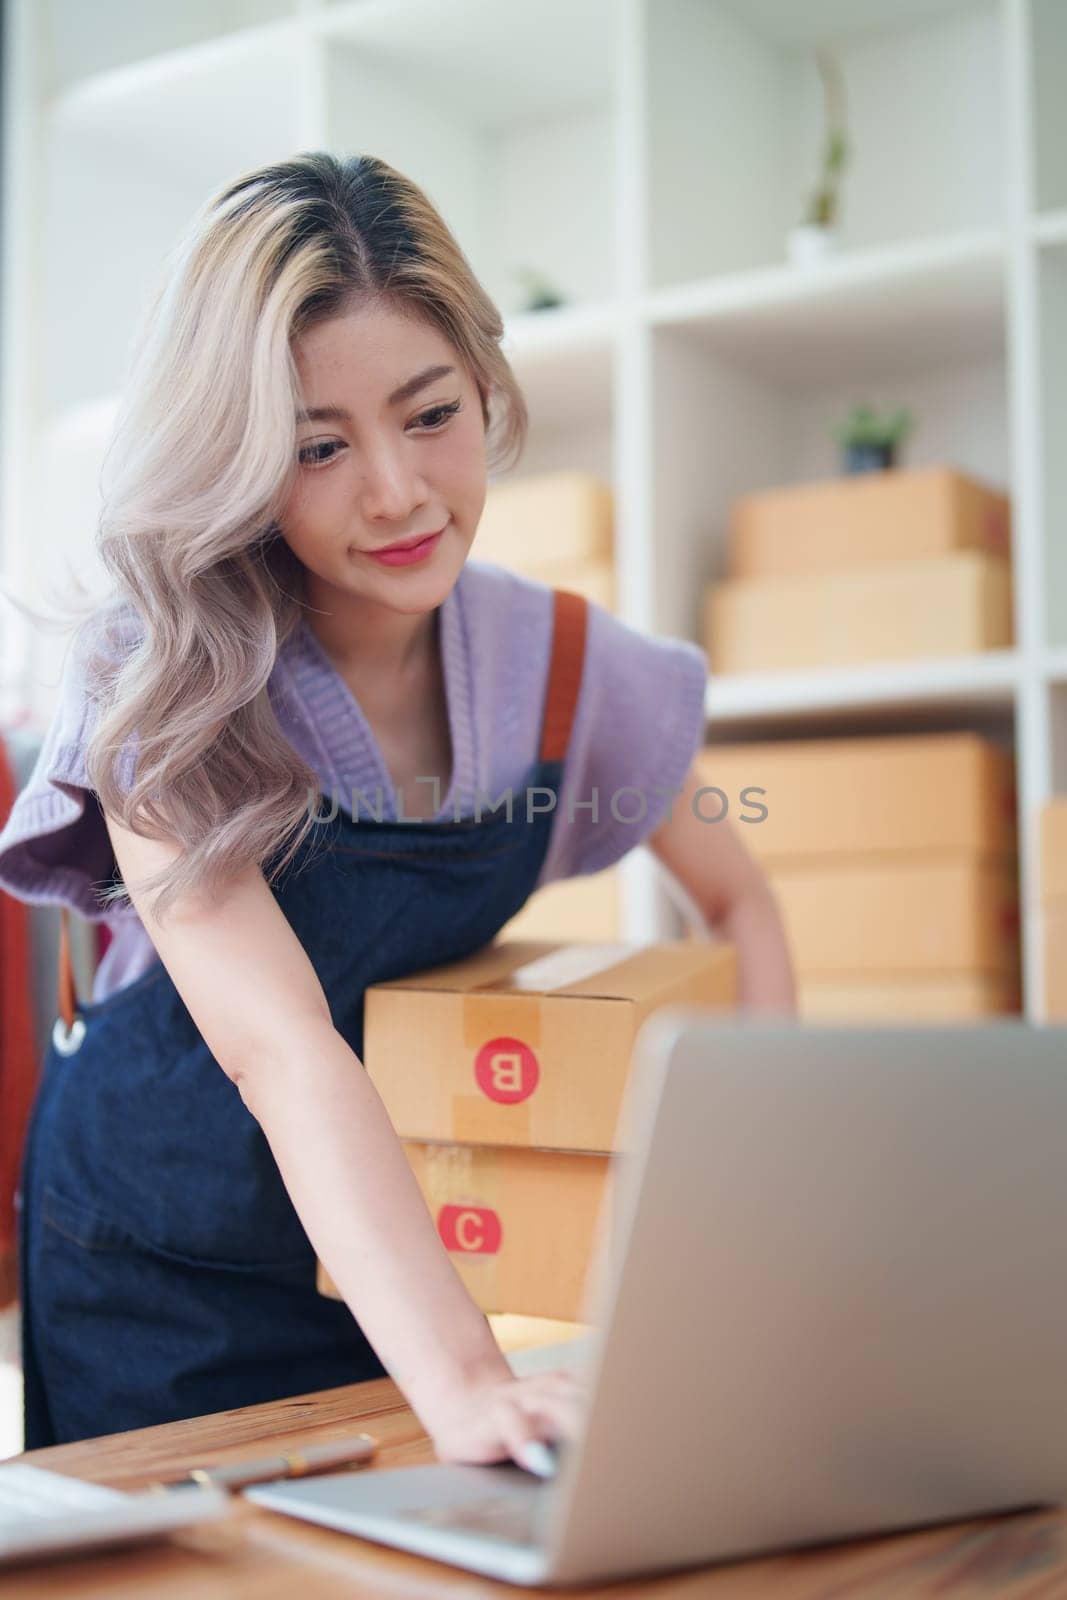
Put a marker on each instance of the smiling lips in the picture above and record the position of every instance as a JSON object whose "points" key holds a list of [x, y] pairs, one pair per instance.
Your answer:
{"points": [[403, 555]]}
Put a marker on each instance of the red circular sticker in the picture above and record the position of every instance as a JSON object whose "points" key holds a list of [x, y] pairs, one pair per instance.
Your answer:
{"points": [[506, 1070], [470, 1230]]}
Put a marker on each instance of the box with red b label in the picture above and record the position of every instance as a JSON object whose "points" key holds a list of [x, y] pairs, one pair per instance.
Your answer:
{"points": [[528, 1043]]}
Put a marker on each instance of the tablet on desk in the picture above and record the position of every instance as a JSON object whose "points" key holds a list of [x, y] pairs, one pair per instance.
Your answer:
{"points": [[45, 1514]]}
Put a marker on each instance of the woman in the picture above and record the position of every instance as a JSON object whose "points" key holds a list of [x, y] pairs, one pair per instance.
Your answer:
{"points": [[294, 487]]}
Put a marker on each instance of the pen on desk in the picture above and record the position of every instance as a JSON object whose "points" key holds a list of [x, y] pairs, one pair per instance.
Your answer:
{"points": [[290, 1464]]}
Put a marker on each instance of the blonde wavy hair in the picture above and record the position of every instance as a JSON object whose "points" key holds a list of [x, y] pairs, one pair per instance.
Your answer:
{"points": [[203, 455]]}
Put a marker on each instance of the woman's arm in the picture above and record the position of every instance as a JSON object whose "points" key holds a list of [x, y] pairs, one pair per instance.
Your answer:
{"points": [[733, 896], [360, 1204], [257, 1002]]}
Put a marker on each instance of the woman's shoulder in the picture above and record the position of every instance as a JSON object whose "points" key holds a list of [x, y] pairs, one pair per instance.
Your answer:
{"points": [[53, 846], [96, 652], [510, 610], [506, 622], [497, 593], [512, 615]]}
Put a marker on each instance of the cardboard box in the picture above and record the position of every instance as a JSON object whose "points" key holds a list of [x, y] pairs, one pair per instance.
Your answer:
{"points": [[1054, 850], [520, 1225], [940, 792], [528, 1043], [872, 518], [1054, 919], [955, 997], [547, 520], [575, 910], [904, 914], [947, 606]]}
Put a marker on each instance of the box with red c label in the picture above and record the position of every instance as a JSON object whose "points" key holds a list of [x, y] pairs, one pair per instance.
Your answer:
{"points": [[520, 1225]]}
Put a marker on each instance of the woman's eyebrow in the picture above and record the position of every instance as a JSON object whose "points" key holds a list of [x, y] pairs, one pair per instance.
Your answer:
{"points": [[405, 392], [419, 381]]}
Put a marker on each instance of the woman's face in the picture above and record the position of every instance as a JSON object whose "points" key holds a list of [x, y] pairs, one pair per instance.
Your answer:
{"points": [[401, 454]]}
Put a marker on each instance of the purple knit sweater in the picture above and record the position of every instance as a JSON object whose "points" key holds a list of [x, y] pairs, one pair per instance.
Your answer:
{"points": [[638, 724]]}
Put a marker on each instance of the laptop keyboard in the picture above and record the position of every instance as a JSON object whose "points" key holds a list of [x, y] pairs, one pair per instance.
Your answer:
{"points": [[510, 1517]]}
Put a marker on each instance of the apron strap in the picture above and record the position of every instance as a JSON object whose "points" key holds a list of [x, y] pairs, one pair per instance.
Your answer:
{"points": [[68, 994], [561, 699], [565, 673]]}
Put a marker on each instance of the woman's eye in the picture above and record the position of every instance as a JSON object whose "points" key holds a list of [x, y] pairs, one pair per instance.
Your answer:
{"points": [[437, 416], [321, 452], [309, 455]]}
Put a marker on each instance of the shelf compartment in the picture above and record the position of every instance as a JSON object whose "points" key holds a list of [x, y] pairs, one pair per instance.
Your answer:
{"points": [[107, 47], [1049, 229], [514, 140], [935, 301], [1058, 726], [724, 428], [987, 679], [511, 65], [1048, 52], [565, 362], [151, 147], [1055, 666], [736, 125], [1052, 362]]}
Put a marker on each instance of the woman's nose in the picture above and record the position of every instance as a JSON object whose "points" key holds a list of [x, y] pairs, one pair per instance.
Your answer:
{"points": [[390, 487]]}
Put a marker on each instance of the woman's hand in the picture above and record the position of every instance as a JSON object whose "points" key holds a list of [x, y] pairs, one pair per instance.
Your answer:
{"points": [[495, 1418]]}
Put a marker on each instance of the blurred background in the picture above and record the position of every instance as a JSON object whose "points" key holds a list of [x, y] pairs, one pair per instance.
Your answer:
{"points": [[785, 283]]}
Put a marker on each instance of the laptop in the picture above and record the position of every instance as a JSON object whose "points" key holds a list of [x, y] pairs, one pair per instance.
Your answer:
{"points": [[832, 1302]]}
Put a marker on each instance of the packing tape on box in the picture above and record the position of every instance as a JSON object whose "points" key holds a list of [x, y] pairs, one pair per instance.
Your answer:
{"points": [[491, 1009], [461, 1190], [457, 1175], [488, 1016], [502, 1036], [570, 964]]}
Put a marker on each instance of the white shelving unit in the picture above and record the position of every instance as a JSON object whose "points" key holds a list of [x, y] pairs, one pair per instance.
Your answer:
{"points": [[650, 156]]}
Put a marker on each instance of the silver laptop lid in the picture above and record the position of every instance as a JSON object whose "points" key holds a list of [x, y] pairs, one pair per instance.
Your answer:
{"points": [[837, 1291]]}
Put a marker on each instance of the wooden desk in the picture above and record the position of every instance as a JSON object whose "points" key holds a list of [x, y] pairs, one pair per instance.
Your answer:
{"points": [[256, 1554]]}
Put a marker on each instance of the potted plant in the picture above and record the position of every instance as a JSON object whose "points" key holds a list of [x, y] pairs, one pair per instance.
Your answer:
{"points": [[869, 442], [816, 236], [538, 291]]}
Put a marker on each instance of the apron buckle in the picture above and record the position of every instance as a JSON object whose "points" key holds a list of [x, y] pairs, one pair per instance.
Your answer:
{"points": [[66, 1042]]}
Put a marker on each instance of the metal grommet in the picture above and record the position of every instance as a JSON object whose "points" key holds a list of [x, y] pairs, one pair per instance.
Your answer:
{"points": [[67, 1042]]}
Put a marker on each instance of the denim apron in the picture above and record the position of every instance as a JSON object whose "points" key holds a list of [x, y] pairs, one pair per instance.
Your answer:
{"points": [[163, 1270]]}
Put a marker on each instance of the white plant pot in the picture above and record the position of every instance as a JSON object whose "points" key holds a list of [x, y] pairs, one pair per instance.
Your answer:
{"points": [[809, 243]]}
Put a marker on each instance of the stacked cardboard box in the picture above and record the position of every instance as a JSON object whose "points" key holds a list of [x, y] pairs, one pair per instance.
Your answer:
{"points": [[504, 1076], [884, 566], [557, 527], [893, 861], [1054, 906]]}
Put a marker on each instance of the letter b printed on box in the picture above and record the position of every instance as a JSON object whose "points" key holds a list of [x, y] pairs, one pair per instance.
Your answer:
{"points": [[506, 1070]]}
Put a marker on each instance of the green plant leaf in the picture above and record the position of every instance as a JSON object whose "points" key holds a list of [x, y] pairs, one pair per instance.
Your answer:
{"points": [[863, 426]]}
